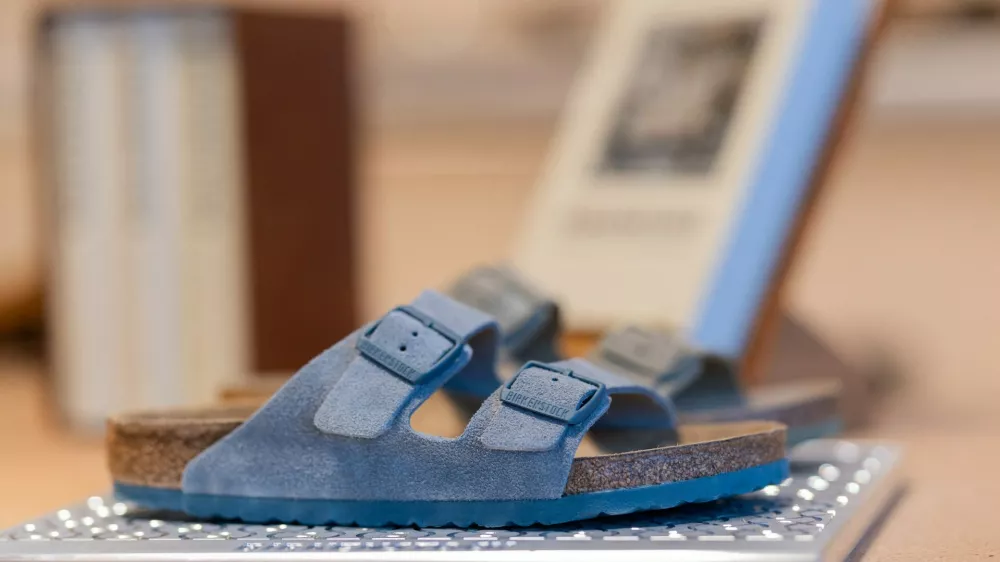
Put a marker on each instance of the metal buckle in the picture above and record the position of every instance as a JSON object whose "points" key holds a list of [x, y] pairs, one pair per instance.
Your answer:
{"points": [[545, 408], [392, 362]]}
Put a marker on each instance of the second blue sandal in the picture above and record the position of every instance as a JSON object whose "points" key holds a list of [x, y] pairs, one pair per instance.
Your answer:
{"points": [[703, 386], [557, 442]]}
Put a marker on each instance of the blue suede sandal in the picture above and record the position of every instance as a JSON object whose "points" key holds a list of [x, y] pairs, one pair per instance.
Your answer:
{"points": [[335, 444], [703, 386]]}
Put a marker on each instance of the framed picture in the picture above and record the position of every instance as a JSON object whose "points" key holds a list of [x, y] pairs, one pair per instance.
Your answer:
{"points": [[684, 157]]}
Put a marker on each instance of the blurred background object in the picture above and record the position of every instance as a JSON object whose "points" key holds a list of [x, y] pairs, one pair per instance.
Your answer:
{"points": [[457, 136], [193, 163], [689, 148], [20, 250], [899, 267]]}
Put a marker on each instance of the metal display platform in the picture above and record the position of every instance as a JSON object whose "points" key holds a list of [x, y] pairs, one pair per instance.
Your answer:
{"points": [[838, 493]]}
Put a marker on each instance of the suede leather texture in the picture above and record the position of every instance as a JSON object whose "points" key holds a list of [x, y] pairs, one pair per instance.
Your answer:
{"points": [[529, 322], [367, 398], [530, 326], [692, 379], [339, 429]]}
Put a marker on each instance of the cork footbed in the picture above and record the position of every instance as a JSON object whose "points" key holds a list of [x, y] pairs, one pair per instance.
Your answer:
{"points": [[152, 448]]}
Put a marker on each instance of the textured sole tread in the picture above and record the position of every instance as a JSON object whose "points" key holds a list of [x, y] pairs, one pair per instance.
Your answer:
{"points": [[457, 513]]}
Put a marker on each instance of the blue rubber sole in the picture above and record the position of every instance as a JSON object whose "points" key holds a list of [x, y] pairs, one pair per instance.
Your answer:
{"points": [[457, 513], [827, 428]]}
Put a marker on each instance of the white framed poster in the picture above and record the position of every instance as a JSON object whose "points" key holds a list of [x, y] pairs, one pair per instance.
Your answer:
{"points": [[685, 151]]}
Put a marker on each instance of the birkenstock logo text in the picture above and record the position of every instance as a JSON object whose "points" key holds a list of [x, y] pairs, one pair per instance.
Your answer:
{"points": [[388, 360], [536, 405]]}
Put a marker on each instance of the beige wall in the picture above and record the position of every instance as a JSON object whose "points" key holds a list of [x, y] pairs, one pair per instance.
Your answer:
{"points": [[906, 256]]}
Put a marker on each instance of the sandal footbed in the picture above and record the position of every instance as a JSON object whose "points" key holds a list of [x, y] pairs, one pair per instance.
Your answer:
{"points": [[153, 448]]}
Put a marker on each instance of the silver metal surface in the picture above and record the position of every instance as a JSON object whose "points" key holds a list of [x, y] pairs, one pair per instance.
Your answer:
{"points": [[838, 490]]}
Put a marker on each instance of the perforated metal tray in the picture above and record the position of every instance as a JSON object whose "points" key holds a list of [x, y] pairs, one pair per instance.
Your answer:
{"points": [[838, 491]]}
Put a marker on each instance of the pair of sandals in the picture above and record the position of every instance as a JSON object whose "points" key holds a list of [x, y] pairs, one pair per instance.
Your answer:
{"points": [[558, 441]]}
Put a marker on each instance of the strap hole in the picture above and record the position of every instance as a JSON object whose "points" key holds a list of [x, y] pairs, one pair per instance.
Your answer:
{"points": [[555, 379], [414, 334], [402, 347]]}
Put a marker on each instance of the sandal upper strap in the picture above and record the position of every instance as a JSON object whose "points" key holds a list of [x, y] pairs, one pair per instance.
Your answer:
{"points": [[538, 405], [572, 400], [663, 360], [529, 321], [544, 403], [410, 350]]}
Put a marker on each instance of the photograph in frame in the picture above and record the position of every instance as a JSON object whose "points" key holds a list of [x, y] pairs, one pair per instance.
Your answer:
{"points": [[680, 98], [683, 155]]}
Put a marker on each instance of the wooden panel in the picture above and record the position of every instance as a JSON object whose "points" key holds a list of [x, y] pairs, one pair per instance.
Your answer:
{"points": [[296, 73]]}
